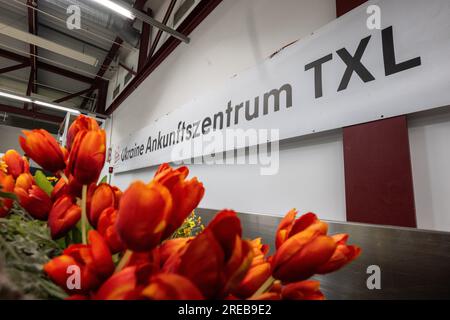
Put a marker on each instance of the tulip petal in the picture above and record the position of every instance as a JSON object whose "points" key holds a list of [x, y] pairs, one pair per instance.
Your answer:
{"points": [[202, 262], [167, 286], [142, 216], [304, 290]]}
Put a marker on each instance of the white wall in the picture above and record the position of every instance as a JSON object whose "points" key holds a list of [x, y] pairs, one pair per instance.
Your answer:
{"points": [[9, 138], [429, 135], [238, 35]]}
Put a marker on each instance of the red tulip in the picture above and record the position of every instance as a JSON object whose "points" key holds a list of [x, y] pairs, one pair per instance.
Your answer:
{"points": [[253, 280], [258, 273], [87, 156], [7, 186], [61, 188], [63, 217], [142, 216], [40, 146], [24, 181], [166, 286], [35, 201], [186, 195], [74, 187], [151, 260], [304, 290], [106, 226], [302, 250], [221, 258], [94, 261], [343, 255], [125, 285], [284, 228], [103, 197], [16, 163], [82, 123], [171, 252]]}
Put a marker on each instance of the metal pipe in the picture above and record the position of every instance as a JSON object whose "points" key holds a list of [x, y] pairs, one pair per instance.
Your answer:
{"points": [[146, 18]]}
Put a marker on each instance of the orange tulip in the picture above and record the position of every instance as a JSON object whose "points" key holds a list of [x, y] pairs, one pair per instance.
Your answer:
{"points": [[24, 181], [94, 260], [186, 195], [151, 260], [125, 285], [343, 255], [82, 123], [16, 163], [253, 280], [303, 247], [142, 217], [87, 156], [284, 228], [63, 217], [104, 196], [304, 290], [7, 186], [258, 273], [221, 258], [61, 188], [35, 201], [171, 252], [166, 286], [106, 226], [40, 146]]}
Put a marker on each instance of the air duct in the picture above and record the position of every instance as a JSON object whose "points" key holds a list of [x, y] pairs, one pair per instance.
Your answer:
{"points": [[96, 14]]}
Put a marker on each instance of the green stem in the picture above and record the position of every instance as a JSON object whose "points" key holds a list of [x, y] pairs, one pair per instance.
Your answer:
{"points": [[123, 262], [63, 176], [83, 214], [265, 286]]}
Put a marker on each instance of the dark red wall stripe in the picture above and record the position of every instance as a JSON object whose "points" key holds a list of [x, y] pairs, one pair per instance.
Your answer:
{"points": [[344, 6], [378, 175]]}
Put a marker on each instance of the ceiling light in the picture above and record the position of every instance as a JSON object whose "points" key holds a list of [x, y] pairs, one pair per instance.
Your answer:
{"points": [[14, 97], [41, 103], [54, 106], [47, 44], [116, 8]]}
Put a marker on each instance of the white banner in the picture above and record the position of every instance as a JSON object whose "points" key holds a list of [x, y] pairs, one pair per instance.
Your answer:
{"points": [[346, 73]]}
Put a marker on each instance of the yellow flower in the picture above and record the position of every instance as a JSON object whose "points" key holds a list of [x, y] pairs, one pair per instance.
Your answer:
{"points": [[3, 166]]}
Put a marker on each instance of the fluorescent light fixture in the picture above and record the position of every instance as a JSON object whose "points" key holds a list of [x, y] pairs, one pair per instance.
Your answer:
{"points": [[54, 106], [41, 103], [116, 8], [47, 44], [14, 97]]}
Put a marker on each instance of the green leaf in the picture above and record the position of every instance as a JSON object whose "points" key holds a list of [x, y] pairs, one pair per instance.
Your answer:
{"points": [[42, 182], [104, 179], [25, 246], [7, 195]]}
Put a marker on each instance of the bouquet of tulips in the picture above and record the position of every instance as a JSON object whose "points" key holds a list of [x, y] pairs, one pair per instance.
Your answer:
{"points": [[127, 250]]}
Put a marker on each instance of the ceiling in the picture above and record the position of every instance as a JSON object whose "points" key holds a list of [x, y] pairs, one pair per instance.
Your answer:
{"points": [[96, 38]]}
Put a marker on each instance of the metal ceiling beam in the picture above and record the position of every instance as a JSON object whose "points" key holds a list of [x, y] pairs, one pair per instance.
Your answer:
{"points": [[159, 34], [145, 41], [73, 95], [46, 66], [30, 114], [200, 12], [32, 28], [99, 82], [15, 67], [133, 72]]}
